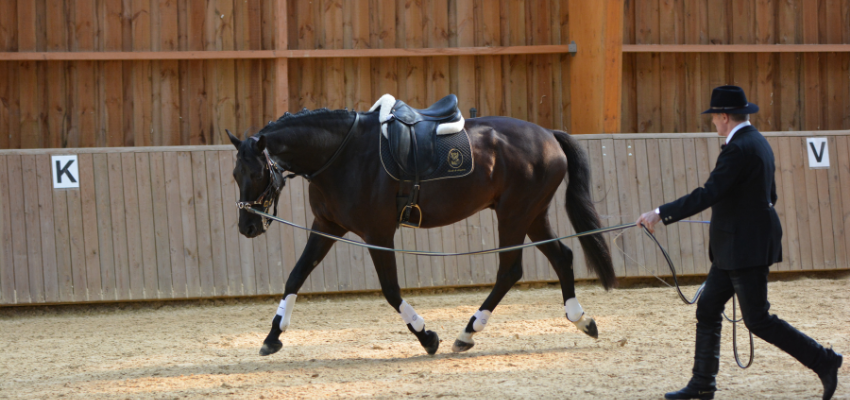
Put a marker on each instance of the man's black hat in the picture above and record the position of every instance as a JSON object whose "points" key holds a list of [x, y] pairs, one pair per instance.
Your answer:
{"points": [[730, 100]]}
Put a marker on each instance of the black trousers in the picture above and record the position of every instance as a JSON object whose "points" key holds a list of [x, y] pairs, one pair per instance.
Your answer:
{"points": [[750, 284]]}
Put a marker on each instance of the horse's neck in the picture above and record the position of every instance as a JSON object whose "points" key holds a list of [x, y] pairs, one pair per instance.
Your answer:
{"points": [[301, 150]]}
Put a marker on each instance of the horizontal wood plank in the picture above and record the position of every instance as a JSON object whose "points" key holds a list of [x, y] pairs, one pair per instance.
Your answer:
{"points": [[274, 54], [736, 48]]}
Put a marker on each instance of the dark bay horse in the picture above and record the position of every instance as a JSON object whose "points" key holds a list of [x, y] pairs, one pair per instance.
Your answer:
{"points": [[518, 167]]}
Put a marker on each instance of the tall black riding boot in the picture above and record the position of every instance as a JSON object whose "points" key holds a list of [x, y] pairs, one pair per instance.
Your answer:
{"points": [[706, 363]]}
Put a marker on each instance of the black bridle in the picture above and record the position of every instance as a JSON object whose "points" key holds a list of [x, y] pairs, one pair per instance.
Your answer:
{"points": [[278, 176], [270, 196]]}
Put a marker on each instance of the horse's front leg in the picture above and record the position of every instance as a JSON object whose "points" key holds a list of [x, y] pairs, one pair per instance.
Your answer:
{"points": [[317, 248], [385, 267]]}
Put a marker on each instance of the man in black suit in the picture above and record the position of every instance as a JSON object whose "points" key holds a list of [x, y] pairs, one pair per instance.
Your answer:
{"points": [[744, 242]]}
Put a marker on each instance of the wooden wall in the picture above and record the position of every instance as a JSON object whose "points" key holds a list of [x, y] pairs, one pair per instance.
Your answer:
{"points": [[165, 85], [160, 223], [131, 102], [665, 91], [529, 87]]}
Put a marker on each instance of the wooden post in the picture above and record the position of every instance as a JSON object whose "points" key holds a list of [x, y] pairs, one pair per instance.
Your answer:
{"points": [[281, 85], [466, 64], [811, 92], [597, 68]]}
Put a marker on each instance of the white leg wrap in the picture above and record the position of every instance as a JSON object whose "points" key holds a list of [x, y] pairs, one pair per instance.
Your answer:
{"points": [[285, 310], [465, 337], [481, 317], [409, 315], [573, 309]]}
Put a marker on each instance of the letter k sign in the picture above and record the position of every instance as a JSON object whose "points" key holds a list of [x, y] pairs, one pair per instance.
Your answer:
{"points": [[65, 172]]}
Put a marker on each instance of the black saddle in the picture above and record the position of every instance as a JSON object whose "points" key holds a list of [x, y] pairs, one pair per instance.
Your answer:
{"points": [[412, 134], [412, 143]]}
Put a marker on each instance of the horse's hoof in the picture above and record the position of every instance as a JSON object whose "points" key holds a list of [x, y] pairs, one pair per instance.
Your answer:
{"points": [[271, 348], [587, 325], [431, 342], [460, 346], [591, 329]]}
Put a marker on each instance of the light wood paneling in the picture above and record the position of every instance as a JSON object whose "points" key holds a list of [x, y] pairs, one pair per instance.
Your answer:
{"points": [[161, 224]]}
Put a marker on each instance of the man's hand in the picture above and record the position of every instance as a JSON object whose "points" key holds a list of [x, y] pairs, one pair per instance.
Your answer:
{"points": [[649, 219]]}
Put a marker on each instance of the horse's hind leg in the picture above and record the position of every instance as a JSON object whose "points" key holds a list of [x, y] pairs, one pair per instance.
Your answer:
{"points": [[316, 249], [385, 266], [510, 272], [561, 258]]}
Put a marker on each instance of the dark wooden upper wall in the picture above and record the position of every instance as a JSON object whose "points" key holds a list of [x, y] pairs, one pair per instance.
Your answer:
{"points": [[529, 87], [136, 25], [377, 24], [189, 99], [128, 101], [666, 91], [737, 22]]}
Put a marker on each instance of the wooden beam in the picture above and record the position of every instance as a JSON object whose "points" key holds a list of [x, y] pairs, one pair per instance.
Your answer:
{"points": [[596, 71], [271, 54], [613, 89], [281, 66], [736, 48]]}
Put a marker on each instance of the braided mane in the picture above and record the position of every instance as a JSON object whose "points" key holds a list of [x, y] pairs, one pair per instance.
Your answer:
{"points": [[320, 116]]}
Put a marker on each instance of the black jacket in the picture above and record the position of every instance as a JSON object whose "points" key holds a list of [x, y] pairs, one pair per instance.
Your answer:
{"points": [[745, 229]]}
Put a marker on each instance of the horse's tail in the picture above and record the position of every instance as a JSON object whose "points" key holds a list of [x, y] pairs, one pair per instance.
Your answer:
{"points": [[582, 213]]}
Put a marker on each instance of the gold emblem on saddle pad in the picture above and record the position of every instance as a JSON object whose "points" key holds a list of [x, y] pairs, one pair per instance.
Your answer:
{"points": [[455, 158]]}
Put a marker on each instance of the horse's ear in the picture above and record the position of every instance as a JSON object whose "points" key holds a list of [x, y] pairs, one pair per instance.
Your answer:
{"points": [[233, 139], [261, 144], [236, 142]]}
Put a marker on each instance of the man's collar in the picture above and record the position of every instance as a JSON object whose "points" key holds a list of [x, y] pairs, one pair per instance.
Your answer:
{"points": [[736, 129]]}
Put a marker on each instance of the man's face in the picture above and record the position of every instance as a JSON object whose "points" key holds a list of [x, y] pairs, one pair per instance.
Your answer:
{"points": [[721, 122]]}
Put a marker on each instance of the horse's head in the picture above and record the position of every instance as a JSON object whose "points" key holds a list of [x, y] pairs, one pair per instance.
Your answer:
{"points": [[258, 188]]}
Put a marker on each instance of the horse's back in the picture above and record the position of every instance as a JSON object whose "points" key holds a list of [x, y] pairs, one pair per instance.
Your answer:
{"points": [[523, 145]]}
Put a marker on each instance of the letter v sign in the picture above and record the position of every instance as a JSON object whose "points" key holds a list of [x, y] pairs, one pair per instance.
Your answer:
{"points": [[818, 152], [65, 172]]}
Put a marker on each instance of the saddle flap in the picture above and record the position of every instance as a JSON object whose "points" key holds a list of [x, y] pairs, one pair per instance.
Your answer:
{"points": [[401, 146], [399, 138]]}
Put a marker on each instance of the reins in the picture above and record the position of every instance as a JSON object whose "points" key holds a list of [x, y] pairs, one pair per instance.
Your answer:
{"points": [[435, 253], [523, 246], [309, 177]]}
